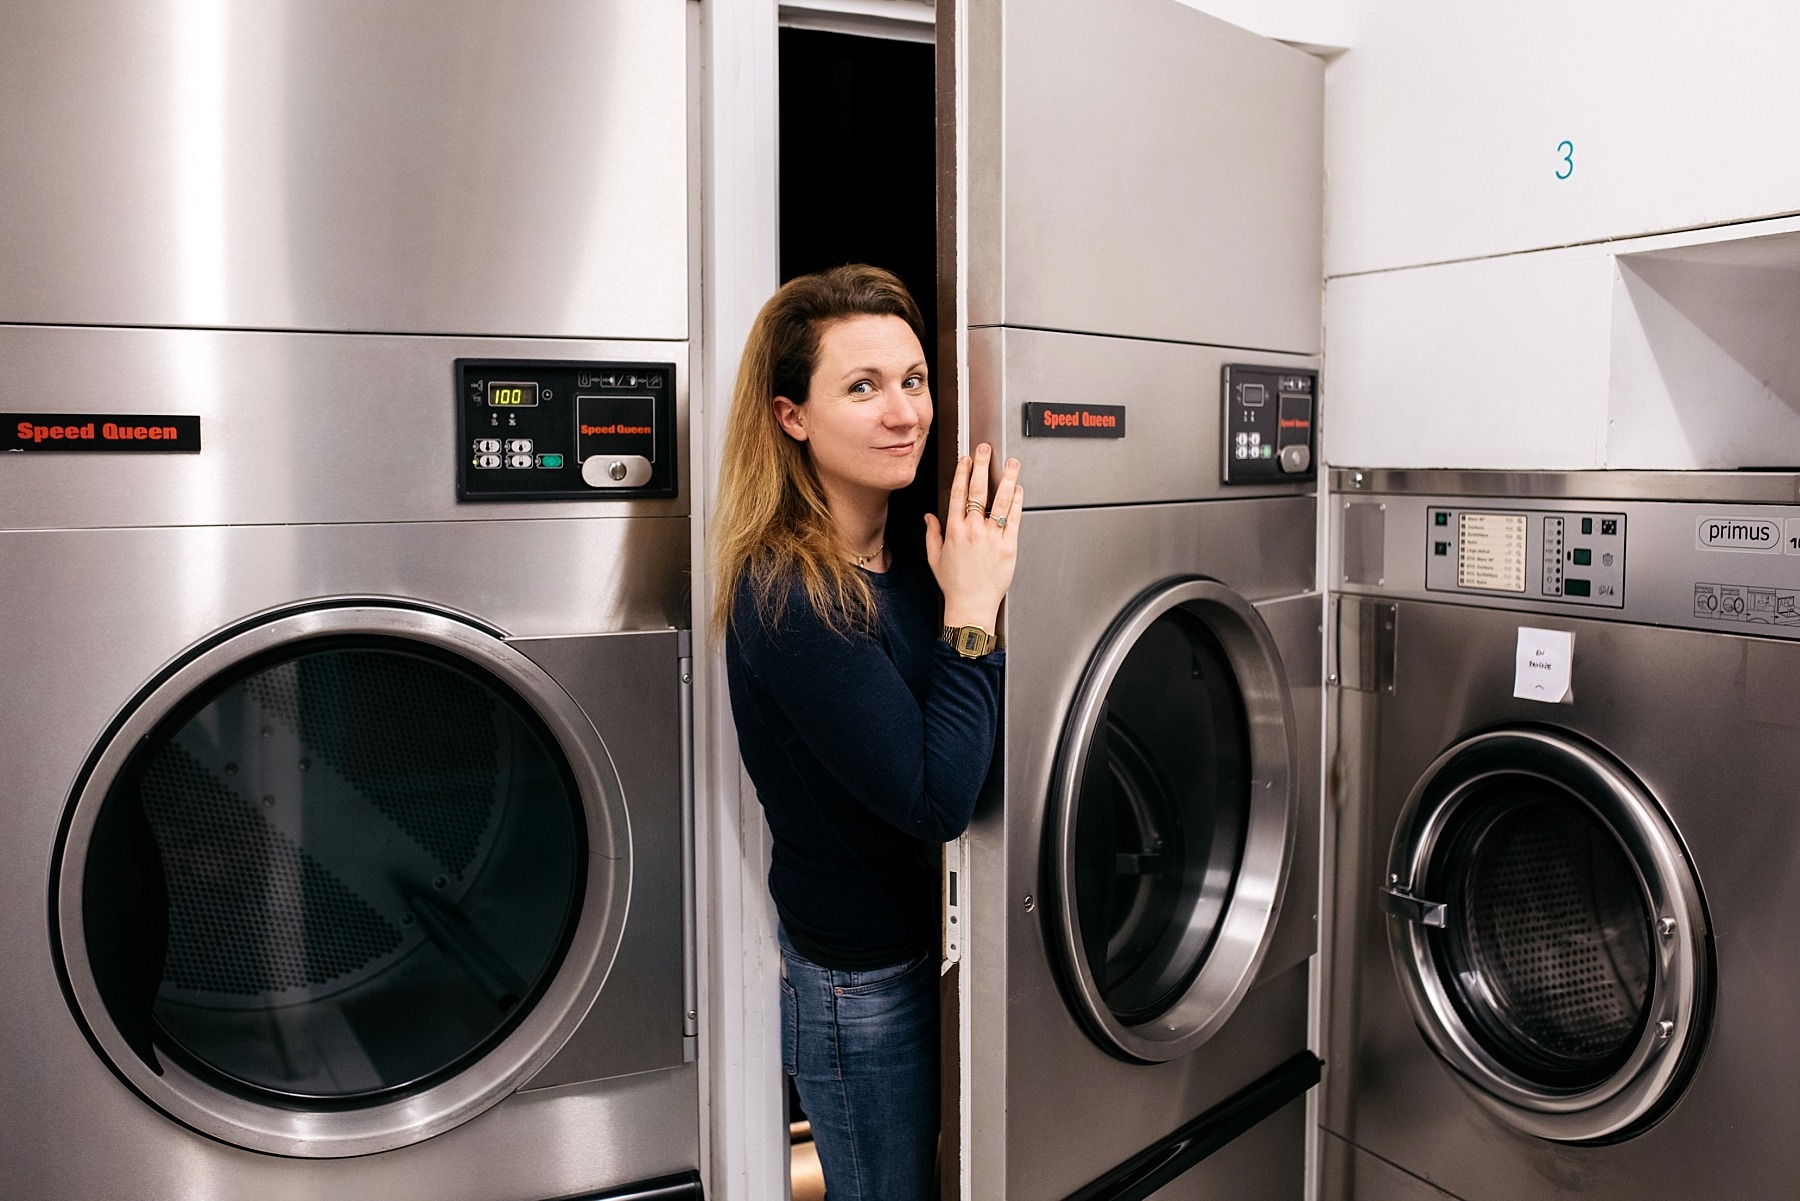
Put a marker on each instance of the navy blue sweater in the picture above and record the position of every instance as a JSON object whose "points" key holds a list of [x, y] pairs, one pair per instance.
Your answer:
{"points": [[867, 751]]}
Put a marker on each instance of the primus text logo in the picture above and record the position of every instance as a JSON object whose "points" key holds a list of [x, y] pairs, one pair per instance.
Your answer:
{"points": [[1739, 533]]}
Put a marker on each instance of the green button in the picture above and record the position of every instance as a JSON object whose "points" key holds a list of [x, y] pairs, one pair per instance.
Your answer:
{"points": [[550, 462], [1584, 557]]}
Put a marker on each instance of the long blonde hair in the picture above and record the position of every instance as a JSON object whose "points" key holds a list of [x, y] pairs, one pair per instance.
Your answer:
{"points": [[772, 525]]}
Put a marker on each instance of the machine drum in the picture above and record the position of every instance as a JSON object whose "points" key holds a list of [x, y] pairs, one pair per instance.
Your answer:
{"points": [[1550, 947], [360, 859]]}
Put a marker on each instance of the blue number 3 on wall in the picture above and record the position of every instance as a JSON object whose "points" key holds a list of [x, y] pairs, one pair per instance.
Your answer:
{"points": [[1567, 151]]}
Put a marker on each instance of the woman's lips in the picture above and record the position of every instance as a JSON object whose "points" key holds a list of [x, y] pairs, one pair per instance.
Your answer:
{"points": [[898, 449]]}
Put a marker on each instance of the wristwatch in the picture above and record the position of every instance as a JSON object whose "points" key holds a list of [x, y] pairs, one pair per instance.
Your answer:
{"points": [[971, 642]]}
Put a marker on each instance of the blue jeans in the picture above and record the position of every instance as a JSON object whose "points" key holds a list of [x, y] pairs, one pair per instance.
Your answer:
{"points": [[862, 1047]]}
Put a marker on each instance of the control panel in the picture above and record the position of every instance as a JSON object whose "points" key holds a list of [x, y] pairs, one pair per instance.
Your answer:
{"points": [[1572, 556], [1269, 422], [532, 430]]}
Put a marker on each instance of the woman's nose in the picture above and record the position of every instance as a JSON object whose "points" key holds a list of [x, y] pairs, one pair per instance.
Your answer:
{"points": [[904, 410]]}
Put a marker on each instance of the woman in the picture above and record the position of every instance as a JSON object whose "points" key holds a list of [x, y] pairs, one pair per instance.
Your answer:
{"points": [[866, 732]]}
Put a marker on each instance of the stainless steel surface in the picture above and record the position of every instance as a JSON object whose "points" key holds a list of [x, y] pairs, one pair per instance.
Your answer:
{"points": [[1721, 487], [98, 613], [1674, 572], [1170, 450], [1704, 721], [421, 166], [1241, 938], [630, 688], [1347, 1171], [1140, 169], [690, 909], [1051, 1109], [295, 427], [1680, 981], [1403, 905]]}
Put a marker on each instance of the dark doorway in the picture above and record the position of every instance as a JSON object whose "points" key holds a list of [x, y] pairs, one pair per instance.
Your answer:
{"points": [[858, 182]]}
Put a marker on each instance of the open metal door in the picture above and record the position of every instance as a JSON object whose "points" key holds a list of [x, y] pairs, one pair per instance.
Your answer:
{"points": [[1129, 174]]}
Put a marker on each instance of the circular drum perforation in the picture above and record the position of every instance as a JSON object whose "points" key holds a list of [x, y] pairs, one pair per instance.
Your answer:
{"points": [[1545, 986]]}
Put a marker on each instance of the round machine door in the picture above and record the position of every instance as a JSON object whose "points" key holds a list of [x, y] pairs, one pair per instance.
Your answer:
{"points": [[341, 880], [1550, 935], [1172, 816]]}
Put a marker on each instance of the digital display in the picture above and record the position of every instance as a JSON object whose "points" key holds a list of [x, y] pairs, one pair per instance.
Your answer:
{"points": [[514, 394], [1490, 551]]}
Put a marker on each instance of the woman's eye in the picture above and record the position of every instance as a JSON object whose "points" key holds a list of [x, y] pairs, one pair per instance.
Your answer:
{"points": [[861, 387], [914, 382]]}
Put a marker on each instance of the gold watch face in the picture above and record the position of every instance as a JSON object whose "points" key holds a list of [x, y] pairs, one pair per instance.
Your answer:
{"points": [[971, 642]]}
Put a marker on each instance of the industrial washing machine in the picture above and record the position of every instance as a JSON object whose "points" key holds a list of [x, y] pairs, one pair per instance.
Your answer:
{"points": [[343, 548], [1568, 721], [1134, 906]]}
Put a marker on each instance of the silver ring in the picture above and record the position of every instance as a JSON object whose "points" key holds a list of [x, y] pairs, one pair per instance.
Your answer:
{"points": [[1000, 521]]}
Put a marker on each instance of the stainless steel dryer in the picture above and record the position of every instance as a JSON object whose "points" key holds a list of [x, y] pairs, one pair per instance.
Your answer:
{"points": [[1567, 728], [1134, 912], [343, 550]]}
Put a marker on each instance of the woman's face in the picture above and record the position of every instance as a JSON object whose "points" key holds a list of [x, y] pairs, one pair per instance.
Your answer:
{"points": [[865, 420]]}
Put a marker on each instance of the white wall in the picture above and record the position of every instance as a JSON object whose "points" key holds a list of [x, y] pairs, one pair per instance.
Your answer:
{"points": [[1324, 25], [1475, 311]]}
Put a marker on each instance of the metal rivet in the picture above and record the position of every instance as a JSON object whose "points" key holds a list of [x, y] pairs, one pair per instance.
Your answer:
{"points": [[1030, 903], [1665, 1030], [231, 769], [1666, 927], [838, 991], [440, 881], [269, 802]]}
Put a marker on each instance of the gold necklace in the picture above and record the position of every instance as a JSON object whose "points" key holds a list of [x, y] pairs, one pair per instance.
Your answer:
{"points": [[874, 554]]}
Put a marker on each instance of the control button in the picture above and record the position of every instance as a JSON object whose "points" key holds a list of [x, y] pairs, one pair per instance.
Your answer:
{"points": [[487, 462], [1243, 439], [518, 461], [1582, 556], [1243, 452], [656, 381], [518, 446], [1440, 548], [1574, 587], [550, 462], [1441, 518], [1256, 439], [1296, 458], [487, 446], [616, 471], [1587, 525], [1609, 528], [1267, 451]]}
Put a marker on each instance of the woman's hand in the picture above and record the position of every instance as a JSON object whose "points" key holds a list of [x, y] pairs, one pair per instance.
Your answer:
{"points": [[972, 555]]}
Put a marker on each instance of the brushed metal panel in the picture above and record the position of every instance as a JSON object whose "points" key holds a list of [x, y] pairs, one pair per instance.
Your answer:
{"points": [[1295, 623], [1664, 566], [1724, 487], [1050, 1110], [1669, 705], [427, 166], [1171, 394], [294, 427], [1145, 170], [629, 687], [91, 616], [1348, 1172]]}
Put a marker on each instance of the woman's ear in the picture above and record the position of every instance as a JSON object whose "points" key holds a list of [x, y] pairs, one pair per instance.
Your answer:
{"points": [[791, 418]]}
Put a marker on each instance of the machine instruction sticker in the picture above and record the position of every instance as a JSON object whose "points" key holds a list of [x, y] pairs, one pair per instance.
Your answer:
{"points": [[1544, 667], [112, 433], [1747, 602]]}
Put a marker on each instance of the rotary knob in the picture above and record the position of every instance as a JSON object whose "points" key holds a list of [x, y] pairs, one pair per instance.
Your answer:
{"points": [[1296, 458]]}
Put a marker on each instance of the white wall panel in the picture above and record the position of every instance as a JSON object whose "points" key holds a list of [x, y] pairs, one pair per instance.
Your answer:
{"points": [[1498, 363], [1315, 24], [1443, 124]]}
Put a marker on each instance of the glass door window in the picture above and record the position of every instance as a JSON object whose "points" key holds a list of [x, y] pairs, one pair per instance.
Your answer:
{"points": [[1173, 800], [335, 874]]}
